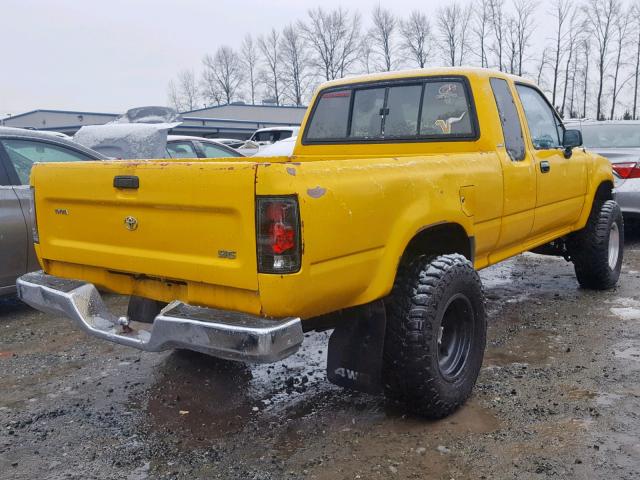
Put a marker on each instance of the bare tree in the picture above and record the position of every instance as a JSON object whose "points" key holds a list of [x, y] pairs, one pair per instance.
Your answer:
{"points": [[294, 64], [416, 37], [511, 45], [635, 12], [270, 48], [382, 35], [621, 30], [601, 15], [465, 37], [210, 89], [183, 93], [574, 73], [480, 29], [333, 38], [250, 59], [544, 60], [452, 22], [570, 46], [366, 54], [586, 49], [524, 25], [226, 69], [496, 10], [561, 11]]}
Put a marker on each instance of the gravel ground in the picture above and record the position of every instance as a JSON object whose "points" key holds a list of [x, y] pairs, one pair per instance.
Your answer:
{"points": [[558, 397]]}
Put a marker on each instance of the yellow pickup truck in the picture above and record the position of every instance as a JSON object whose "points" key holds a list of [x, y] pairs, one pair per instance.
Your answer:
{"points": [[401, 186]]}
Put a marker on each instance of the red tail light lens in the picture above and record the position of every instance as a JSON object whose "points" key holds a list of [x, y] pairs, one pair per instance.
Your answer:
{"points": [[278, 232], [627, 169]]}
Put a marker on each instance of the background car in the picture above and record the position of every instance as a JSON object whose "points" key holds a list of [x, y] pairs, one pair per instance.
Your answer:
{"points": [[619, 141], [229, 142], [283, 148], [179, 146], [19, 150], [267, 136]]}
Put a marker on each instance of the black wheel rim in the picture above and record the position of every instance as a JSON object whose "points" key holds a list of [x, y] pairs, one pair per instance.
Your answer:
{"points": [[455, 336]]}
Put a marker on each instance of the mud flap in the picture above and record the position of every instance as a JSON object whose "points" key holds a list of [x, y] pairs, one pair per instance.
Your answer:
{"points": [[355, 349]]}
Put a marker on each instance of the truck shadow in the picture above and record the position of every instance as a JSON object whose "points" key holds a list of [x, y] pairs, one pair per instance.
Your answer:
{"points": [[10, 306]]}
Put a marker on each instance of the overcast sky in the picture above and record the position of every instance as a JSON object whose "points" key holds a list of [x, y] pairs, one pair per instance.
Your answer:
{"points": [[111, 55]]}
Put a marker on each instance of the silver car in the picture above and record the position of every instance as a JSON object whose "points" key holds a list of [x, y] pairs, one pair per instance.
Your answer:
{"points": [[19, 150], [619, 141]]}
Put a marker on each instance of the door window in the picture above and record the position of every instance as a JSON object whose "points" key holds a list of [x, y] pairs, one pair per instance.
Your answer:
{"points": [[181, 150], [544, 125], [211, 150], [511, 129], [24, 153]]}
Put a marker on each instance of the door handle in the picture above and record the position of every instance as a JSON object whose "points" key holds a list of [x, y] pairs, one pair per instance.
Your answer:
{"points": [[545, 166], [126, 181]]}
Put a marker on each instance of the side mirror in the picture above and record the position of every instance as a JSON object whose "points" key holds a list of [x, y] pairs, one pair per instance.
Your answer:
{"points": [[571, 139]]}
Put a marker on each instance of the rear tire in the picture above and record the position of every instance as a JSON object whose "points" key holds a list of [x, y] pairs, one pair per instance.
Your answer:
{"points": [[597, 250], [436, 334]]}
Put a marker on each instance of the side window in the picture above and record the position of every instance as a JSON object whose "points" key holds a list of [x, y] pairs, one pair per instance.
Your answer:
{"points": [[24, 153], [542, 121], [401, 119], [181, 150], [214, 151], [330, 117], [445, 110], [284, 134], [366, 119], [511, 129]]}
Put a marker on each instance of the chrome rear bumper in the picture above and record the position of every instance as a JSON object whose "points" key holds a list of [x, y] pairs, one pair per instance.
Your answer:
{"points": [[230, 335]]}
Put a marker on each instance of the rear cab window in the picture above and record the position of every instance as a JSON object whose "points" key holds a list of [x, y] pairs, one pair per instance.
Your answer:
{"points": [[424, 109]]}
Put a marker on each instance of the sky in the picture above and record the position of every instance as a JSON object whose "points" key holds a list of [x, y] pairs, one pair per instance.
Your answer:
{"points": [[112, 55]]}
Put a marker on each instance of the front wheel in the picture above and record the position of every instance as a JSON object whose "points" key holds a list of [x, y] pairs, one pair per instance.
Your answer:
{"points": [[597, 249], [435, 338]]}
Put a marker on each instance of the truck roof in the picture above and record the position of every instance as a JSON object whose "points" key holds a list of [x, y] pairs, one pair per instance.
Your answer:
{"points": [[424, 72]]}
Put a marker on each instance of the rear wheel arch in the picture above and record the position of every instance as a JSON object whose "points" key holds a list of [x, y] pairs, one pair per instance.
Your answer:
{"points": [[440, 239]]}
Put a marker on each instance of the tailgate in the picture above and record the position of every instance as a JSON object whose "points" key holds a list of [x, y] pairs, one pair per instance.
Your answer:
{"points": [[186, 221]]}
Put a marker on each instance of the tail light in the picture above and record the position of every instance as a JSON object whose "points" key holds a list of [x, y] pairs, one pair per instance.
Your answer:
{"points": [[627, 169], [34, 219], [278, 232]]}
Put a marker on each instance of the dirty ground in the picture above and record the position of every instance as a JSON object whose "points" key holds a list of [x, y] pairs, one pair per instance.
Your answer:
{"points": [[558, 397]]}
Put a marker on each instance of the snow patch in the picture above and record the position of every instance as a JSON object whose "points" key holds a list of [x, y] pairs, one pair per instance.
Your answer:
{"points": [[126, 140], [626, 313]]}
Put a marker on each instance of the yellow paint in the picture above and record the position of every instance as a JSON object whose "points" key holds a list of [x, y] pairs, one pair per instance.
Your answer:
{"points": [[368, 201]]}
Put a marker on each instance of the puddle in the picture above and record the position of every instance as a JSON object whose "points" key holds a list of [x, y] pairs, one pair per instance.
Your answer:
{"points": [[527, 346], [581, 394], [628, 353]]}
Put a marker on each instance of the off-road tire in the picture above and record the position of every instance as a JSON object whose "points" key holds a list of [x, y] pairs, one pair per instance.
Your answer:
{"points": [[589, 248], [425, 289]]}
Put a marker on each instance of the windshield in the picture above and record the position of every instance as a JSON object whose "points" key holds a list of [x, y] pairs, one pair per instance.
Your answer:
{"points": [[271, 136], [611, 136]]}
